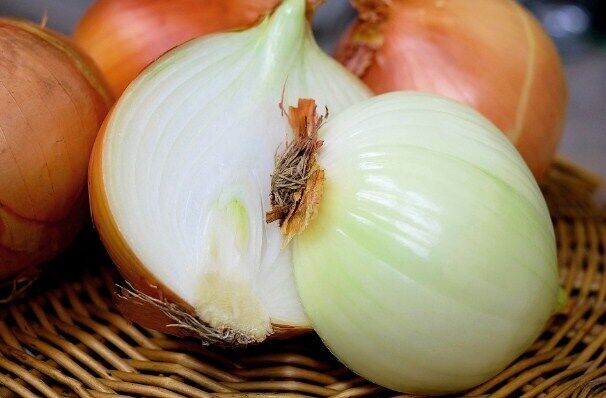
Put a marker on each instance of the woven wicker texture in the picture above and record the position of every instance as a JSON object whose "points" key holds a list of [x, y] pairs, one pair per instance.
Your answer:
{"points": [[68, 340]]}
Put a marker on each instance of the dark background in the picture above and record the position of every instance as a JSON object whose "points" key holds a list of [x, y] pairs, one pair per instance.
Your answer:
{"points": [[578, 27]]}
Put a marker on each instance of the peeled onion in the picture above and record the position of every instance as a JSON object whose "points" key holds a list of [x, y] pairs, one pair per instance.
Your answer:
{"points": [[431, 264], [492, 55], [52, 104], [180, 180], [124, 36]]}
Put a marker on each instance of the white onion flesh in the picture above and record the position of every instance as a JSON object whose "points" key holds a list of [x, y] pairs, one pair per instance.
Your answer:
{"points": [[187, 159], [432, 262]]}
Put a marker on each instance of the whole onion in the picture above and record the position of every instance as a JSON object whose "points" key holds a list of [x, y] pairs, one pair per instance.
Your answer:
{"points": [[52, 102], [490, 54], [124, 36]]}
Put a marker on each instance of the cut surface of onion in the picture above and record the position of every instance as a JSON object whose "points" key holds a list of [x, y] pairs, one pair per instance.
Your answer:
{"points": [[180, 176]]}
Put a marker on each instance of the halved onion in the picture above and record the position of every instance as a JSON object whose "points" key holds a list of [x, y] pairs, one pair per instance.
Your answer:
{"points": [[179, 180]]}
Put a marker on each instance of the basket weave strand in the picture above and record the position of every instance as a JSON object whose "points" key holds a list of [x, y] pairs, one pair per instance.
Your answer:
{"points": [[68, 340]]}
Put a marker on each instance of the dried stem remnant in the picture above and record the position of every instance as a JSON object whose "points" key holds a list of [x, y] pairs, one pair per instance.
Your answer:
{"points": [[296, 184], [366, 37]]}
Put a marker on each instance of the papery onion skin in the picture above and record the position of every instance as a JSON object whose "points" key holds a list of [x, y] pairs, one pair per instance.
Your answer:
{"points": [[232, 84], [53, 102], [492, 55], [124, 36], [432, 262]]}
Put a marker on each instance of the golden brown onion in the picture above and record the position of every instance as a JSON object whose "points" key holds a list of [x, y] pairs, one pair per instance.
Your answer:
{"points": [[52, 103], [124, 36], [490, 54]]}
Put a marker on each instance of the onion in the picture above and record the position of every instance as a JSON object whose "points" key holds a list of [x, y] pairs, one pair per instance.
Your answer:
{"points": [[492, 55], [124, 36], [431, 264], [180, 180], [52, 104]]}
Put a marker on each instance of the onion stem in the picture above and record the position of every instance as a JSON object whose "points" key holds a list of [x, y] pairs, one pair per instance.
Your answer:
{"points": [[297, 177]]}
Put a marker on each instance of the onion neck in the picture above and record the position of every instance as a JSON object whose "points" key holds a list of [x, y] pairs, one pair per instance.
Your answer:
{"points": [[365, 37], [281, 35], [286, 27]]}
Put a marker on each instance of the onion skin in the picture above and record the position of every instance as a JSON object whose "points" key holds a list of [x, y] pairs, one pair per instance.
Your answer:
{"points": [[52, 104], [124, 36], [133, 270], [492, 55]]}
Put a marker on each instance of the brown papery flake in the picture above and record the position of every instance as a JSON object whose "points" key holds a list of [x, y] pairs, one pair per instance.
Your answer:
{"points": [[297, 182], [366, 37]]}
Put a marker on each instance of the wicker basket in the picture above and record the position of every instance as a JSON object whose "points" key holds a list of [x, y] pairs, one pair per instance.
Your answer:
{"points": [[68, 340]]}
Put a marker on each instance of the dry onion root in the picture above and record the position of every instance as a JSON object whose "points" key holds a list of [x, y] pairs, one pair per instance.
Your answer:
{"points": [[53, 102], [180, 180], [124, 36], [492, 55]]}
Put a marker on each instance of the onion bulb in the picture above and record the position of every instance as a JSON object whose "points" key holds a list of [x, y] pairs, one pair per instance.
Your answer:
{"points": [[431, 263], [124, 36], [492, 55], [52, 104], [180, 180]]}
